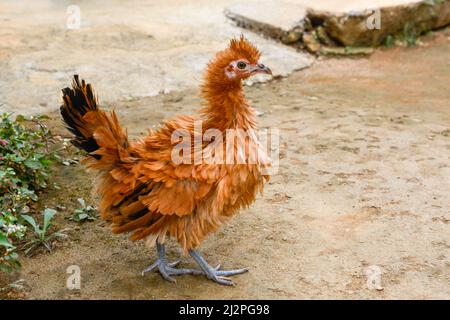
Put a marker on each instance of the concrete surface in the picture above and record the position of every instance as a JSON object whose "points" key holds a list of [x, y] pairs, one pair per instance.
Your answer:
{"points": [[127, 49], [281, 15]]}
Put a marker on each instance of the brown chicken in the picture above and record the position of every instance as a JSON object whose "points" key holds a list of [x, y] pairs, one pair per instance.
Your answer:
{"points": [[145, 190]]}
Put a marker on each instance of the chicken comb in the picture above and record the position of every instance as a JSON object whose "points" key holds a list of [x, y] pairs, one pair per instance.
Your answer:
{"points": [[243, 47]]}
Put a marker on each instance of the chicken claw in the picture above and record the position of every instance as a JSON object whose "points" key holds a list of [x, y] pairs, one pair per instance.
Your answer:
{"points": [[167, 270], [215, 274]]}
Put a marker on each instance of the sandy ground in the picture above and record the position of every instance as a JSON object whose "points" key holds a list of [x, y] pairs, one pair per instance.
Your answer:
{"points": [[363, 181]]}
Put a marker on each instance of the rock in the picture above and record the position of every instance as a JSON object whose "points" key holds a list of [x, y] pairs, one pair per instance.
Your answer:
{"points": [[259, 113], [311, 43], [359, 27], [292, 37], [359, 23], [323, 37]]}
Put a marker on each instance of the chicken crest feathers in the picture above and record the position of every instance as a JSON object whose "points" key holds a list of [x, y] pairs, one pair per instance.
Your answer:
{"points": [[243, 48]]}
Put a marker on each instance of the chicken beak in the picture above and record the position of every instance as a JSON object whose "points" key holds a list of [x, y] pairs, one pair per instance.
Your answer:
{"points": [[260, 68]]}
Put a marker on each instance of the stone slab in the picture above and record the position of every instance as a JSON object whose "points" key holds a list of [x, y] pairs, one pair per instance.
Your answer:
{"points": [[345, 22]]}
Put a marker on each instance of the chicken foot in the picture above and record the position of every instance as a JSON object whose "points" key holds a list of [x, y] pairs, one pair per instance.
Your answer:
{"points": [[215, 274], [167, 270]]}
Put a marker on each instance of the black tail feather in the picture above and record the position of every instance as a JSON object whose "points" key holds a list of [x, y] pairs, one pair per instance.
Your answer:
{"points": [[77, 101]]}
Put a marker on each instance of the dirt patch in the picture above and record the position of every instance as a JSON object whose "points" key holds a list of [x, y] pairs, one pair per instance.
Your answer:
{"points": [[363, 181]]}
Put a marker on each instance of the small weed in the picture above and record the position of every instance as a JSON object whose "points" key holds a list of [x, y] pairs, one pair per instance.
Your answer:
{"points": [[41, 237], [410, 35], [390, 41], [85, 213]]}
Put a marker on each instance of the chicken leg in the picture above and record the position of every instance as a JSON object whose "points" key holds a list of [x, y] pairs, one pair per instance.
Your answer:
{"points": [[167, 270], [215, 274]]}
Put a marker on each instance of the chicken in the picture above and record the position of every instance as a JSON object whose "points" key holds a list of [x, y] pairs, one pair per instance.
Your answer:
{"points": [[143, 187]]}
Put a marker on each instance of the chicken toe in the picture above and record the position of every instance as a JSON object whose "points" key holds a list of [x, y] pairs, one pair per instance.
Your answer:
{"points": [[215, 274], [168, 270]]}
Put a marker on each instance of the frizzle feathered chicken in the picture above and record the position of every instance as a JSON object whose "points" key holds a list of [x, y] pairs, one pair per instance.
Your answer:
{"points": [[144, 191]]}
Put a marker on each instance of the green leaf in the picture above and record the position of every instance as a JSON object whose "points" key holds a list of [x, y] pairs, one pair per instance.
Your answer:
{"points": [[42, 117], [5, 268], [31, 221], [20, 118], [15, 158], [4, 241], [48, 216], [32, 163], [82, 216], [33, 196]]}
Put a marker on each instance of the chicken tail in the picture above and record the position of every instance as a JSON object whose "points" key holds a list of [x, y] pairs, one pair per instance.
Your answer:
{"points": [[95, 131]]}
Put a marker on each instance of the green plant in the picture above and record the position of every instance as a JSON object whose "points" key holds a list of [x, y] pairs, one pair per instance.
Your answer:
{"points": [[410, 35], [9, 259], [433, 2], [10, 230], [40, 235], [25, 160], [85, 213], [390, 41]]}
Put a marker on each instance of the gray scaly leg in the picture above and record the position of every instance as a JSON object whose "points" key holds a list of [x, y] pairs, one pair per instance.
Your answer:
{"points": [[168, 269]]}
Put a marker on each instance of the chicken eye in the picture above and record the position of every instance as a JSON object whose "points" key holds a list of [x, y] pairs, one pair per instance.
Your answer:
{"points": [[241, 65]]}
